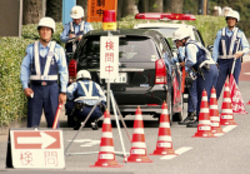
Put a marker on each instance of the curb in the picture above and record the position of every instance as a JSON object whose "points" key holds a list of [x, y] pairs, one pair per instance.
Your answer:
{"points": [[4, 130]]}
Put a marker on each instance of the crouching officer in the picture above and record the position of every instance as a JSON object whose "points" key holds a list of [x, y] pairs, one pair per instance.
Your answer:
{"points": [[200, 61], [43, 62], [192, 89], [230, 43], [74, 30], [80, 109]]}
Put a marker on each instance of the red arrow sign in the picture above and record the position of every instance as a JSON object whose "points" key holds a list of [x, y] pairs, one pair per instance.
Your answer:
{"points": [[37, 139]]}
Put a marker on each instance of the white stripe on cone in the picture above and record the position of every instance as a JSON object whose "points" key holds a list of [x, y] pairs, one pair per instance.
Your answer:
{"points": [[139, 145], [164, 125], [138, 130], [165, 138]]}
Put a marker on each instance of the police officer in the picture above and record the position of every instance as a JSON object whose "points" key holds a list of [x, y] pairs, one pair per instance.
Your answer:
{"points": [[192, 98], [200, 61], [43, 62], [85, 87], [230, 44], [75, 29]]}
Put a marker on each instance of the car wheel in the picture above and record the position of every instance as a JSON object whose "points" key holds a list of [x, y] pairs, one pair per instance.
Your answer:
{"points": [[170, 107], [178, 116]]}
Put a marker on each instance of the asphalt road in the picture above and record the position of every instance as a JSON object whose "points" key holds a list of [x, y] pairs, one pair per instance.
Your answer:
{"points": [[225, 154]]}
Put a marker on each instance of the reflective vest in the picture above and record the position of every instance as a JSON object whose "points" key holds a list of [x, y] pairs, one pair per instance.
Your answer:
{"points": [[71, 46], [87, 88], [203, 55], [44, 68], [229, 45]]}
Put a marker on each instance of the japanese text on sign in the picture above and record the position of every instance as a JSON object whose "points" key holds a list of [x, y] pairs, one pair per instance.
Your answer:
{"points": [[96, 8], [109, 57]]}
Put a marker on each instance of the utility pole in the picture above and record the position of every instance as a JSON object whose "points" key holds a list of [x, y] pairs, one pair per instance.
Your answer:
{"points": [[203, 7]]}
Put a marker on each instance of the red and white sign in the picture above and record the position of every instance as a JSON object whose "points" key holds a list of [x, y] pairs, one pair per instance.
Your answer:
{"points": [[37, 148], [109, 57], [238, 104]]}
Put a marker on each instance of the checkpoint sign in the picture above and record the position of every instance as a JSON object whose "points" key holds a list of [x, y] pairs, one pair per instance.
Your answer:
{"points": [[33, 148], [109, 67]]}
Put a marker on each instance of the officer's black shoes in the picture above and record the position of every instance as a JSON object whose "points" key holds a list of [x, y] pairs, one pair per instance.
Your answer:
{"points": [[195, 124], [189, 119], [77, 126], [94, 125]]}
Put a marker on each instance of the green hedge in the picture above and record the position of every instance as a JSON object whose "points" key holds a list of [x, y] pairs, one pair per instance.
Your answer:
{"points": [[12, 99], [13, 103]]}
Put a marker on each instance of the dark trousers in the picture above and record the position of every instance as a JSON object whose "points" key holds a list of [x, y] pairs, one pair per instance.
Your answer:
{"points": [[82, 114], [211, 77], [193, 97], [225, 71], [45, 97]]}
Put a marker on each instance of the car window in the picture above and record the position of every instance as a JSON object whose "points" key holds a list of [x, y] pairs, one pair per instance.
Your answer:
{"points": [[130, 49], [166, 32]]}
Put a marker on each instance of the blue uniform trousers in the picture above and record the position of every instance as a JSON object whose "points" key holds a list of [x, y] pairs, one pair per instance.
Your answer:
{"points": [[193, 97], [45, 97], [225, 71], [82, 114], [210, 81]]}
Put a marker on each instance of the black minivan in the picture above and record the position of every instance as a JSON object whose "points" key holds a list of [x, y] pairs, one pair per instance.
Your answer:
{"points": [[147, 75]]}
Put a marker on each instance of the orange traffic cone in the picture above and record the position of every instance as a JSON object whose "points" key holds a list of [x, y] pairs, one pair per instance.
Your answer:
{"points": [[164, 145], [204, 126], [227, 117], [214, 114], [138, 151], [106, 156]]}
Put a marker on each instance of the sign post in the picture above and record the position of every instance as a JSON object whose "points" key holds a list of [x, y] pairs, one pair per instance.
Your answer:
{"points": [[33, 148]]}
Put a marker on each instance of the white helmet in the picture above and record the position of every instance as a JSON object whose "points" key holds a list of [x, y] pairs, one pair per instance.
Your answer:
{"points": [[233, 14], [180, 34], [47, 22], [83, 74], [77, 12]]}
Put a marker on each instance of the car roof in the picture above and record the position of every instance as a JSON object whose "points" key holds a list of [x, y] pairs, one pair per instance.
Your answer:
{"points": [[152, 34], [163, 25]]}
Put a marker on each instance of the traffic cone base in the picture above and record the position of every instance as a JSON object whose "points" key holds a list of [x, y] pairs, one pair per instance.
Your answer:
{"points": [[204, 131], [138, 156], [227, 120], [106, 160]]}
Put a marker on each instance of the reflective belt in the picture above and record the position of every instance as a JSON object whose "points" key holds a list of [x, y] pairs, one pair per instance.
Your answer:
{"points": [[210, 62], [72, 30], [50, 54], [87, 93], [233, 39]]}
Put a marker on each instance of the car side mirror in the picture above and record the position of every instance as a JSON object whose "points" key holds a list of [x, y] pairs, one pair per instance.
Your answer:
{"points": [[210, 48]]}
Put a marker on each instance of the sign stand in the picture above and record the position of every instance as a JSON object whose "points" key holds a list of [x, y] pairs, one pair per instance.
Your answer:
{"points": [[116, 109]]}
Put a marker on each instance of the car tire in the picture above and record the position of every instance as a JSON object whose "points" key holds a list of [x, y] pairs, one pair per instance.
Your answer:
{"points": [[71, 121], [178, 116], [170, 107]]}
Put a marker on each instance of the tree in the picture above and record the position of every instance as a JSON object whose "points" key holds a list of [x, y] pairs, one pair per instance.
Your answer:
{"points": [[143, 6], [128, 7], [155, 5], [32, 11], [84, 4], [54, 9], [173, 6]]}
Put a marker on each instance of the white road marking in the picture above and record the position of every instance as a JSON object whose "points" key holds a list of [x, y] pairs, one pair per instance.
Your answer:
{"points": [[229, 128], [178, 152], [86, 142]]}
